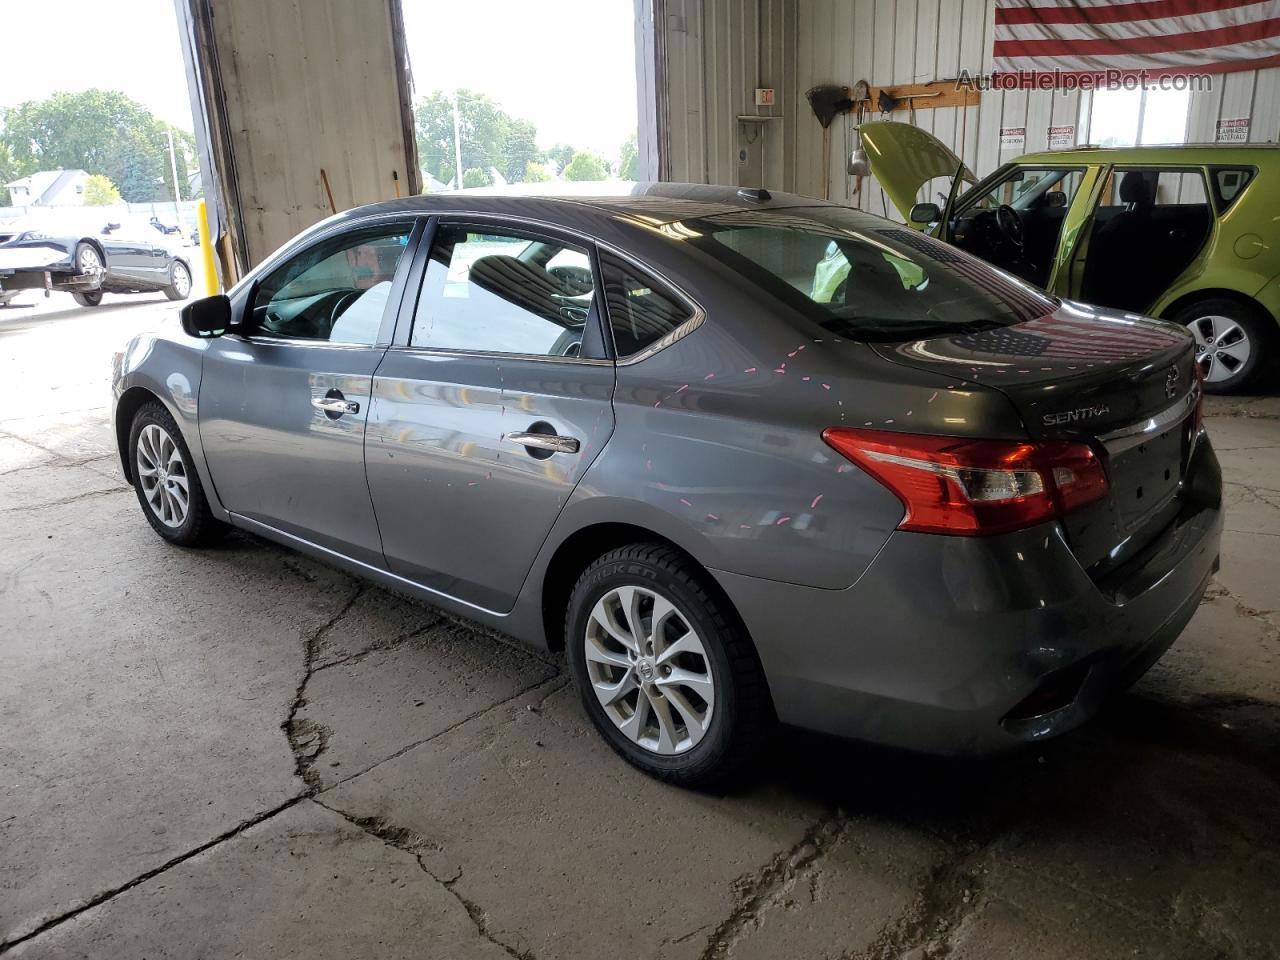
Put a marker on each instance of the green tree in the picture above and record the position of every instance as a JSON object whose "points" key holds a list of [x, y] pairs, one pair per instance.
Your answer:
{"points": [[100, 131], [476, 177], [490, 136], [560, 155], [8, 172], [629, 161], [536, 173], [520, 149], [586, 166], [99, 191]]}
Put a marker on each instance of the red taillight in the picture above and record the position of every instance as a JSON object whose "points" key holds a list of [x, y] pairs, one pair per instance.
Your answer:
{"points": [[974, 487], [1197, 412]]}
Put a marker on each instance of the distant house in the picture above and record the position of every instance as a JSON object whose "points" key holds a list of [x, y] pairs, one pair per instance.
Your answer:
{"points": [[49, 188], [431, 184]]}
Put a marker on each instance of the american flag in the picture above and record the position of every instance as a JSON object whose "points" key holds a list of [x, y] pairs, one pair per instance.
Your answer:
{"points": [[1092, 342], [1112, 39]]}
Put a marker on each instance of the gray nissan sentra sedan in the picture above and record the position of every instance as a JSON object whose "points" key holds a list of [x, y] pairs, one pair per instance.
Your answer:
{"points": [[745, 458]]}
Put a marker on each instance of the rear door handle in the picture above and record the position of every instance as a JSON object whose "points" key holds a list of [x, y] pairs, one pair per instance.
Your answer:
{"points": [[545, 441], [335, 405]]}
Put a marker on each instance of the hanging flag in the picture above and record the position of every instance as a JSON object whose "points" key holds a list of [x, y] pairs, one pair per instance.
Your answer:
{"points": [[1058, 42]]}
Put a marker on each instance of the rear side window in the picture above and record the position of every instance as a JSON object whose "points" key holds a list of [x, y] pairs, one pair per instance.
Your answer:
{"points": [[1228, 183], [499, 292], [642, 310]]}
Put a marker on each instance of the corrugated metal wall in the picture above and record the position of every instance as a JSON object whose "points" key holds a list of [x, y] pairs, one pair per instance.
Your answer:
{"points": [[717, 53], [809, 42]]}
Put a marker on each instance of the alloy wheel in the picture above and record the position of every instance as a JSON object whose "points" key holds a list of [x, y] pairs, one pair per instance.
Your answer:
{"points": [[89, 261], [181, 280], [163, 475], [1222, 347], [649, 670]]}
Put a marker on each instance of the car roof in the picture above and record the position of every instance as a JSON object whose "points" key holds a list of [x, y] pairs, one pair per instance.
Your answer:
{"points": [[1252, 154], [647, 204]]}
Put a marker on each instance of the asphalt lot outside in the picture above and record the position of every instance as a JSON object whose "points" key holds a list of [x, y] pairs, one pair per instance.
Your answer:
{"points": [[242, 752]]}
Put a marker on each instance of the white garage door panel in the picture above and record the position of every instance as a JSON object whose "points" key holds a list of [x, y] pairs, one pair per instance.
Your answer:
{"points": [[309, 85]]}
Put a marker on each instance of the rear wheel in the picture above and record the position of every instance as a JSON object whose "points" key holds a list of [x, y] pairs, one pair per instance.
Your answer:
{"points": [[664, 671], [1235, 342], [87, 298], [167, 484], [179, 287]]}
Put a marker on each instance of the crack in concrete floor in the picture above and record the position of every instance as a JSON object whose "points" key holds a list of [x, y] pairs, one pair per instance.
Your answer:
{"points": [[413, 844], [948, 896]]}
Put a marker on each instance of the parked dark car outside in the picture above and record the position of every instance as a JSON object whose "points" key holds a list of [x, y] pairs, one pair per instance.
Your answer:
{"points": [[88, 254]]}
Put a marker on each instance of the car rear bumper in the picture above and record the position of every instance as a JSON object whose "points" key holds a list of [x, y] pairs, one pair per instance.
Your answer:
{"points": [[965, 645]]}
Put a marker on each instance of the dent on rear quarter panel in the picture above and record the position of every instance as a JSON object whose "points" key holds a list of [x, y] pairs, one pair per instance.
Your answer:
{"points": [[718, 439]]}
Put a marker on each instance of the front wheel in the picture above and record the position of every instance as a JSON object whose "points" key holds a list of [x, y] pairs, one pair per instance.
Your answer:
{"points": [[167, 484], [179, 287], [665, 672], [1235, 343]]}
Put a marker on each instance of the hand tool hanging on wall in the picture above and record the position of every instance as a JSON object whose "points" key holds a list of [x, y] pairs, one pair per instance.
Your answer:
{"points": [[858, 166], [827, 101]]}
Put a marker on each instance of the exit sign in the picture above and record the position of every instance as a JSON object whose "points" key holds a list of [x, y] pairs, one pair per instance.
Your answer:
{"points": [[764, 96]]}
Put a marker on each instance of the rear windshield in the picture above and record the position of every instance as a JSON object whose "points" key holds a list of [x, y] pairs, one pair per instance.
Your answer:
{"points": [[866, 278]]}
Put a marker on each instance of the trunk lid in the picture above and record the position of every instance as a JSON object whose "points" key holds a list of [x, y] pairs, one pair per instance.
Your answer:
{"points": [[904, 158], [1124, 385]]}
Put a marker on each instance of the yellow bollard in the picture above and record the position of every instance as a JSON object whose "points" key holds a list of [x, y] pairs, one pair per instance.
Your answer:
{"points": [[206, 253]]}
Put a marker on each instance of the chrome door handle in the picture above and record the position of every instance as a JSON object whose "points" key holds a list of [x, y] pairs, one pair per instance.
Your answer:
{"points": [[335, 405], [545, 441]]}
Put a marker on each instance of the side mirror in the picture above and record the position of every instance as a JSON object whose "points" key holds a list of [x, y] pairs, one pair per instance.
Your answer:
{"points": [[925, 213], [207, 318], [1055, 198]]}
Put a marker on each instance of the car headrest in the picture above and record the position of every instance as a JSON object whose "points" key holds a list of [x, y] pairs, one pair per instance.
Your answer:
{"points": [[517, 282], [1138, 189]]}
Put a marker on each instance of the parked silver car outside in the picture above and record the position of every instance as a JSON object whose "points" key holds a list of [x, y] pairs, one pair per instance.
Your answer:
{"points": [[745, 458]]}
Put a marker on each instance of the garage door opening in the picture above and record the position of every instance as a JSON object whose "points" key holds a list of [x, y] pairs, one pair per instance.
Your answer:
{"points": [[522, 95]]}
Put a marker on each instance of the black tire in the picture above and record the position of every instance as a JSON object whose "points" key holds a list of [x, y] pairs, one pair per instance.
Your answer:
{"points": [[1229, 375], [87, 298], [742, 717], [176, 290], [199, 527]]}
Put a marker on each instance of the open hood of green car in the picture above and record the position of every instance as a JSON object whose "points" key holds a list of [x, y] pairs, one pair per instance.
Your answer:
{"points": [[904, 158]]}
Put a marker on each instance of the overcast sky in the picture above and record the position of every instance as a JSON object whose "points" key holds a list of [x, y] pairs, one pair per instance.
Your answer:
{"points": [[568, 66]]}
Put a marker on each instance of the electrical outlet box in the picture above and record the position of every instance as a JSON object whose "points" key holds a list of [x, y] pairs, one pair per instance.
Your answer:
{"points": [[764, 96]]}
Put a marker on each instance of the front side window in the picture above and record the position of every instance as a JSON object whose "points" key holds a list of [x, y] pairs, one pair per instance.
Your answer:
{"points": [[1030, 188], [500, 292], [336, 290]]}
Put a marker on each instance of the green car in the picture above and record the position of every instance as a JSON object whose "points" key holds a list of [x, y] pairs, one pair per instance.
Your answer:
{"points": [[1187, 233]]}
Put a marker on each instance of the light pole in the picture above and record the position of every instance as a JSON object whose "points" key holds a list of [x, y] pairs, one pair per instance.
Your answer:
{"points": [[177, 196], [457, 145]]}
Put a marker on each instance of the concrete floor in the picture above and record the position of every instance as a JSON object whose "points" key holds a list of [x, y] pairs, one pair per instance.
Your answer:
{"points": [[241, 752]]}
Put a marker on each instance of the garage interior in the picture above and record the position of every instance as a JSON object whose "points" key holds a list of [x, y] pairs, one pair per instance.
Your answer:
{"points": [[244, 752]]}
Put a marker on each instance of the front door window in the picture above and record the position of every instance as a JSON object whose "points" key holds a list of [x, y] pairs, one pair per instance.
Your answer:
{"points": [[335, 291]]}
